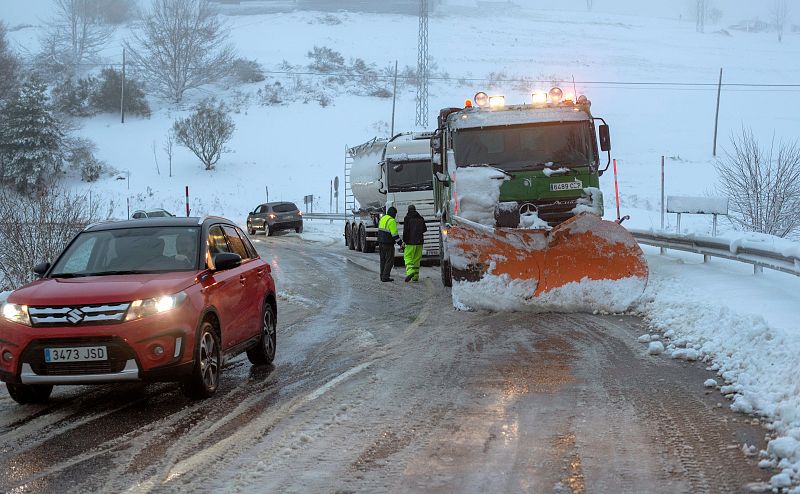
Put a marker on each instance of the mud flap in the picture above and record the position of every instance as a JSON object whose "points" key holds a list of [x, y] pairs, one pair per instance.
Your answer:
{"points": [[584, 264]]}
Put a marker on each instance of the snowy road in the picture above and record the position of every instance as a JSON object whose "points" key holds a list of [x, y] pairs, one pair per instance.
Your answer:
{"points": [[384, 388]]}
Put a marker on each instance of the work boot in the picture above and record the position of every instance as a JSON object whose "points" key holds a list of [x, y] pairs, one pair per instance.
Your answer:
{"points": [[415, 280], [408, 278], [387, 279]]}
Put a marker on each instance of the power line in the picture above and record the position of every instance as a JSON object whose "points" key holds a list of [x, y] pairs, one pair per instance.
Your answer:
{"points": [[597, 84]]}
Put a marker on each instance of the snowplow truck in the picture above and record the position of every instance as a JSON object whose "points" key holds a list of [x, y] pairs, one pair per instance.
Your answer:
{"points": [[390, 172], [517, 192]]}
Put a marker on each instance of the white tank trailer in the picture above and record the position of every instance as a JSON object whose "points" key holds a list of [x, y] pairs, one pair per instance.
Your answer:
{"points": [[391, 172]]}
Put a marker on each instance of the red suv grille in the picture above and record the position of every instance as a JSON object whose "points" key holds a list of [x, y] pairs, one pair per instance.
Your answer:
{"points": [[78, 315]]}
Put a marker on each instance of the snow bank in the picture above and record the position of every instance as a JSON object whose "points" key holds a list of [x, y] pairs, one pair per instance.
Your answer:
{"points": [[758, 361], [477, 191]]}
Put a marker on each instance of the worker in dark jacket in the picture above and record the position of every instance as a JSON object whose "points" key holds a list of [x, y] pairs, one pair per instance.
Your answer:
{"points": [[387, 237], [413, 236]]}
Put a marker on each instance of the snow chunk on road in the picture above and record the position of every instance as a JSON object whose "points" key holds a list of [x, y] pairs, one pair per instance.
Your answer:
{"points": [[655, 348], [645, 338], [686, 354], [710, 383], [780, 481], [785, 447]]}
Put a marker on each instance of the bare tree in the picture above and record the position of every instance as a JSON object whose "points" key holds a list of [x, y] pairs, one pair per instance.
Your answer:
{"points": [[76, 34], [181, 45], [780, 11], [36, 228], [205, 132], [169, 148], [763, 185]]}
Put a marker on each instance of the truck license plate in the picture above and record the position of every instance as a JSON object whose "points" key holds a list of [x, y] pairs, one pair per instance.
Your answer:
{"points": [[577, 184], [75, 354]]}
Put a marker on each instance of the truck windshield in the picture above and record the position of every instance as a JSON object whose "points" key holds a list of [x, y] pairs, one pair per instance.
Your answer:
{"points": [[408, 176], [528, 147], [130, 251]]}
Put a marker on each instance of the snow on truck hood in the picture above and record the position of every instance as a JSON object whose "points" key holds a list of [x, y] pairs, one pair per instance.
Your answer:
{"points": [[100, 289]]}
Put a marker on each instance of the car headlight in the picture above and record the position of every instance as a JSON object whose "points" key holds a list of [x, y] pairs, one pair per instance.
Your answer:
{"points": [[157, 305], [16, 313]]}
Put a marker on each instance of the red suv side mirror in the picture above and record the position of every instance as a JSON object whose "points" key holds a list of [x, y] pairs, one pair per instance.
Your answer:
{"points": [[226, 260]]}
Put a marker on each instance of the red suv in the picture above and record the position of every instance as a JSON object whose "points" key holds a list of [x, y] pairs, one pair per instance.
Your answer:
{"points": [[159, 299]]}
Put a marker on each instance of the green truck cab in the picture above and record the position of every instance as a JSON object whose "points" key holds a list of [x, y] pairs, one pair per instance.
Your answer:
{"points": [[548, 150]]}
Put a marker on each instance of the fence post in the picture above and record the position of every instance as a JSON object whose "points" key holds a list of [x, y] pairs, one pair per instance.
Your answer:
{"points": [[678, 226], [663, 250]]}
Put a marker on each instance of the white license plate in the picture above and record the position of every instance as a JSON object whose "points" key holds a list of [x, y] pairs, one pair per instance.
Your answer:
{"points": [[76, 354], [428, 252], [566, 186]]}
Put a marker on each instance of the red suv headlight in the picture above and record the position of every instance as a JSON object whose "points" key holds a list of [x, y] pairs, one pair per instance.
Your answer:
{"points": [[157, 305], [16, 313]]}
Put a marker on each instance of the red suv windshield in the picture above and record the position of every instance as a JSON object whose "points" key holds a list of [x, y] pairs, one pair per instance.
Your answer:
{"points": [[129, 251]]}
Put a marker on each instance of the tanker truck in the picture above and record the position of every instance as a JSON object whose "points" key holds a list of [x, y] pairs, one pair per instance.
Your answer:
{"points": [[518, 196], [390, 172]]}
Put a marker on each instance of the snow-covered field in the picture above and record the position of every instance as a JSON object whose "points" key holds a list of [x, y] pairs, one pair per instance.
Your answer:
{"points": [[742, 325]]}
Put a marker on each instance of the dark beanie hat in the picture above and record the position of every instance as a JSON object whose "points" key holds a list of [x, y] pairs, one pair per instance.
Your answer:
{"points": [[411, 207], [392, 211]]}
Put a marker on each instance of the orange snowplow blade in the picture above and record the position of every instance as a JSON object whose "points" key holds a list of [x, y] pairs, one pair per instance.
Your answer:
{"points": [[583, 264]]}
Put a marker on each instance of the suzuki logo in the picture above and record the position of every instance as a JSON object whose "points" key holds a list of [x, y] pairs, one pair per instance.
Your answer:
{"points": [[527, 182], [75, 316]]}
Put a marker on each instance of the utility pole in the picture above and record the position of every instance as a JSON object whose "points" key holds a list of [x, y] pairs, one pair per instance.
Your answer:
{"points": [[716, 118], [394, 98], [422, 65], [122, 92]]}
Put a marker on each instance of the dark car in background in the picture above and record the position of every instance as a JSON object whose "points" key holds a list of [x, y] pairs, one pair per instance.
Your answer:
{"points": [[273, 216], [156, 300], [151, 213]]}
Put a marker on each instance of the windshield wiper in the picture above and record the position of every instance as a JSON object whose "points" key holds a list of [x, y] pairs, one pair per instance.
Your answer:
{"points": [[68, 275], [561, 168], [111, 273]]}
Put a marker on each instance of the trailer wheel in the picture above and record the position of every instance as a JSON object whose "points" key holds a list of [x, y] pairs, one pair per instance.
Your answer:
{"points": [[351, 241], [346, 234], [360, 236], [369, 247]]}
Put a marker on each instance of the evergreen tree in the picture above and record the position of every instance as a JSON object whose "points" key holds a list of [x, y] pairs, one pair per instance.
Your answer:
{"points": [[30, 139]]}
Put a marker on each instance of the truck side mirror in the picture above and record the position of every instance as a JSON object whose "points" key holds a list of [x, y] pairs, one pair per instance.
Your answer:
{"points": [[605, 138], [436, 144]]}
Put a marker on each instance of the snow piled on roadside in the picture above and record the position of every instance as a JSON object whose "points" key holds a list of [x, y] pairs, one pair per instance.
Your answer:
{"points": [[758, 360]]}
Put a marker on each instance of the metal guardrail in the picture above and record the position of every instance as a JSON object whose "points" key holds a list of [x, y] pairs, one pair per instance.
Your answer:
{"points": [[718, 247], [324, 216], [706, 246]]}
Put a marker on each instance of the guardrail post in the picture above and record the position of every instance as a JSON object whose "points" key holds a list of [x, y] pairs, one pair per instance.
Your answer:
{"points": [[757, 269], [678, 227], [714, 227]]}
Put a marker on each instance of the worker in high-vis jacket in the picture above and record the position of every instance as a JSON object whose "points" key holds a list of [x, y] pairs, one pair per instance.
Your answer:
{"points": [[387, 238]]}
